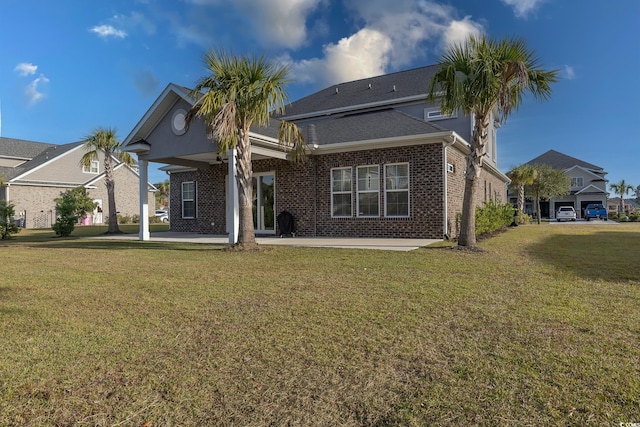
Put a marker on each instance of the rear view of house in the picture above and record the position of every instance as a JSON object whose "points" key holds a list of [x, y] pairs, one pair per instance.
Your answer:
{"points": [[35, 174], [381, 163]]}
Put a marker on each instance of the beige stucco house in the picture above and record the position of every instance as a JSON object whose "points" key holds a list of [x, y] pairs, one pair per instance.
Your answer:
{"points": [[36, 173]]}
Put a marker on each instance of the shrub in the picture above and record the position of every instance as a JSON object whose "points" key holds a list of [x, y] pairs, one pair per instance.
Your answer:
{"points": [[523, 219], [124, 219], [612, 215], [135, 219], [154, 219], [635, 216], [493, 216], [7, 226], [72, 205]]}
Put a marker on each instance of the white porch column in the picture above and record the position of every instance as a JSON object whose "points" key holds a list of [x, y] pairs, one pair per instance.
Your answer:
{"points": [[144, 200], [233, 208]]}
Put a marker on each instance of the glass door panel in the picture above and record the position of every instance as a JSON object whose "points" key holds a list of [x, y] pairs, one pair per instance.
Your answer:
{"points": [[264, 202]]}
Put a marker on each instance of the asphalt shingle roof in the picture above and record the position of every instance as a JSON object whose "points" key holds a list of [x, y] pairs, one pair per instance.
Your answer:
{"points": [[20, 148], [50, 152], [379, 124], [385, 88], [558, 160]]}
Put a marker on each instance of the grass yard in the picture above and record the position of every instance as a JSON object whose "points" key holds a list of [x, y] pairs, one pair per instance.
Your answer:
{"points": [[542, 328]]}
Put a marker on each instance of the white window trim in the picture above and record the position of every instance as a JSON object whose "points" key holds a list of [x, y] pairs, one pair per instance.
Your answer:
{"points": [[395, 190], [358, 192], [436, 114], [577, 179], [95, 164], [182, 199], [350, 192]]}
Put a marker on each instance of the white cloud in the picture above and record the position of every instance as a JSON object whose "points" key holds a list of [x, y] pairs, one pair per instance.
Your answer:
{"points": [[364, 54], [106, 31], [33, 91], [522, 8], [279, 23], [568, 72], [458, 32], [393, 34], [25, 69]]}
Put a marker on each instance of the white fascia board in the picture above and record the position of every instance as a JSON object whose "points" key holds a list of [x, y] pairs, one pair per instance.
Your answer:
{"points": [[600, 190], [116, 167], [262, 151], [177, 168], [343, 147], [355, 107], [45, 163], [171, 87], [583, 169], [46, 184]]}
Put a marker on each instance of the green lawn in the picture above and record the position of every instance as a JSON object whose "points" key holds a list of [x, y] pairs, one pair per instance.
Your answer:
{"points": [[542, 328]]}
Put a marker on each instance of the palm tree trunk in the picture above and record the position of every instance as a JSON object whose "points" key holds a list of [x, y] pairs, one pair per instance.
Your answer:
{"points": [[521, 198], [246, 233], [111, 194], [474, 167], [468, 221]]}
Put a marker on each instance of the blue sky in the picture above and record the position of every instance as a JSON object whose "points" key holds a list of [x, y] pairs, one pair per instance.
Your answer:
{"points": [[68, 66]]}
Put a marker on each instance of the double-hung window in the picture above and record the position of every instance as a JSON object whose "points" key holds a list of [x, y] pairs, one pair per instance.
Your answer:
{"points": [[396, 190], [368, 190], [189, 199], [341, 192], [94, 167], [577, 181]]}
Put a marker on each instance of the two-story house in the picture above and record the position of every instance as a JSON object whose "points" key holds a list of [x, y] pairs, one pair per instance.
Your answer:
{"points": [[381, 163], [36, 173], [588, 183]]}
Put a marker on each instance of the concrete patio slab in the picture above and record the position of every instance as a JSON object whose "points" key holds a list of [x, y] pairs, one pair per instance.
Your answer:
{"points": [[316, 242]]}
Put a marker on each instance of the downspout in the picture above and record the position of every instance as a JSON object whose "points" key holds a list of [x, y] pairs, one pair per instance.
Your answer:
{"points": [[314, 145], [444, 180]]}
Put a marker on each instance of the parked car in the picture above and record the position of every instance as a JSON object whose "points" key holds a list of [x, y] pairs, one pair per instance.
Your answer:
{"points": [[595, 210], [566, 213], [162, 215]]}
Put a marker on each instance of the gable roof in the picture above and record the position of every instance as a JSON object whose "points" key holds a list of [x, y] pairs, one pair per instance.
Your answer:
{"points": [[386, 89], [558, 160], [20, 148], [45, 155]]}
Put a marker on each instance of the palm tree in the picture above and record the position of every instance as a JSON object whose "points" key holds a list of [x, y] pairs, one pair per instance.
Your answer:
{"points": [[522, 176], [162, 195], [104, 140], [483, 78], [239, 92], [621, 189]]}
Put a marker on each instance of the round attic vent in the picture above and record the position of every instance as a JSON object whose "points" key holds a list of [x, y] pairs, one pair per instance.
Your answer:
{"points": [[178, 122]]}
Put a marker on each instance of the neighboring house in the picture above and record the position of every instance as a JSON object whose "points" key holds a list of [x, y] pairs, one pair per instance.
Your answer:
{"points": [[382, 163], [588, 184], [630, 205], [36, 173]]}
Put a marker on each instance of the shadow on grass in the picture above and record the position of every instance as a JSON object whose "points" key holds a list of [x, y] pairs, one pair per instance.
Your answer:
{"points": [[601, 255], [88, 243]]}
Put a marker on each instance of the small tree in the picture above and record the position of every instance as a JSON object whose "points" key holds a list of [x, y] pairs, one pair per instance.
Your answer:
{"points": [[72, 205], [621, 189], [521, 176], [162, 195], [548, 184], [7, 226]]}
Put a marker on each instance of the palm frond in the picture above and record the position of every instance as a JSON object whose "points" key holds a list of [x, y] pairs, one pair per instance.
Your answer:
{"points": [[290, 136]]}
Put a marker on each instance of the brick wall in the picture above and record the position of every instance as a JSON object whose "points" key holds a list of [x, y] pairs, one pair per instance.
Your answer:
{"points": [[304, 190], [126, 193], [35, 204]]}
